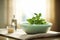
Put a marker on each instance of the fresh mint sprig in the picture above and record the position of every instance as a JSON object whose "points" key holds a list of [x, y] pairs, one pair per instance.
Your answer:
{"points": [[36, 19]]}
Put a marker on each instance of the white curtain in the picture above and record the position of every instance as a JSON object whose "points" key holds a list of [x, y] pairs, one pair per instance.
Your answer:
{"points": [[9, 11], [24, 9]]}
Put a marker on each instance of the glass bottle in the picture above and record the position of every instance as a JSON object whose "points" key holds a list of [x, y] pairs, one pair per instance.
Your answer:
{"points": [[14, 22]]}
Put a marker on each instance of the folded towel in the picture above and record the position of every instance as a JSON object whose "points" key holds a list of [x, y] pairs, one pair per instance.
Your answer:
{"points": [[23, 36], [42, 35]]}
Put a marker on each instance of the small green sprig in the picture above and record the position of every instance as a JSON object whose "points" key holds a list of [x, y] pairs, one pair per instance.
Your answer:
{"points": [[36, 19]]}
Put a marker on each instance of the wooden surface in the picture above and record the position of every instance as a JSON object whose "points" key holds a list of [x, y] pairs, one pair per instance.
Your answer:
{"points": [[21, 35]]}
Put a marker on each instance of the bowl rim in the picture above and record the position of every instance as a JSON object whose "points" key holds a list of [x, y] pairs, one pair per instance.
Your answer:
{"points": [[27, 24]]}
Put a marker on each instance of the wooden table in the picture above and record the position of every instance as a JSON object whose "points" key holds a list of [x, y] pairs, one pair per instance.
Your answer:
{"points": [[19, 34]]}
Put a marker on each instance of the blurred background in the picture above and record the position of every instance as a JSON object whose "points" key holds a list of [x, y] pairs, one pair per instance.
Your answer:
{"points": [[23, 9]]}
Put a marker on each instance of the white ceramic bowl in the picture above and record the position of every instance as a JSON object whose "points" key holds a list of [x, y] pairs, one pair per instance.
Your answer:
{"points": [[35, 28]]}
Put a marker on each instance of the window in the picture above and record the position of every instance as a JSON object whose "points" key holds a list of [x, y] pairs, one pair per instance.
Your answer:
{"points": [[24, 9]]}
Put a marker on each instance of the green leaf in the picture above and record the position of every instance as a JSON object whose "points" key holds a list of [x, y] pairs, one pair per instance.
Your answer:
{"points": [[30, 21], [40, 14], [33, 18], [36, 19], [35, 13]]}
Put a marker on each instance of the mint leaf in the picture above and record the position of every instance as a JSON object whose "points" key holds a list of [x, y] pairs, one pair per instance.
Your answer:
{"points": [[36, 19]]}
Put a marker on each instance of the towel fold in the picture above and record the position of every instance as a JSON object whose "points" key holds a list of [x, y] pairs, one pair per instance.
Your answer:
{"points": [[43, 35]]}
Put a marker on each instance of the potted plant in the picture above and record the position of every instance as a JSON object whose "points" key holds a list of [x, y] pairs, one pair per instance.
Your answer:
{"points": [[36, 24]]}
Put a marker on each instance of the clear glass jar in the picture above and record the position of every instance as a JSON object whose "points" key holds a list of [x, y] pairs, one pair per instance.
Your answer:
{"points": [[10, 29]]}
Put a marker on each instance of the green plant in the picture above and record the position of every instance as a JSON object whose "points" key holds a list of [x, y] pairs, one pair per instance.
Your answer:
{"points": [[36, 19]]}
